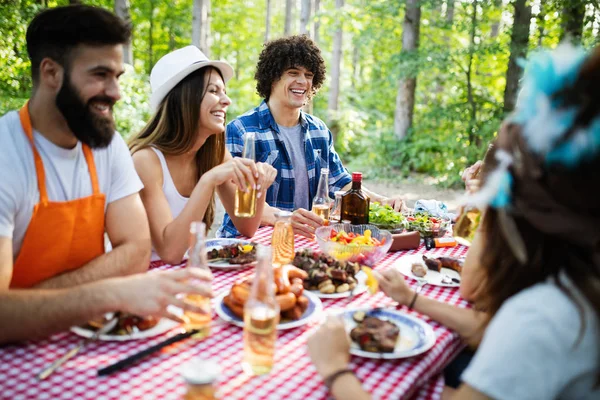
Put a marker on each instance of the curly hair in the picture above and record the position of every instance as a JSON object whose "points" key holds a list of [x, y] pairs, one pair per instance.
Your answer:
{"points": [[282, 54]]}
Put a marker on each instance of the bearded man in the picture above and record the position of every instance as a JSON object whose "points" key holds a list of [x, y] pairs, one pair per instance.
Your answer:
{"points": [[67, 177]]}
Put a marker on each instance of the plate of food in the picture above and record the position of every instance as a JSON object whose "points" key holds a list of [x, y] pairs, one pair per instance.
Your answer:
{"points": [[329, 278], [438, 271], [298, 306], [388, 334], [128, 327], [230, 253]]}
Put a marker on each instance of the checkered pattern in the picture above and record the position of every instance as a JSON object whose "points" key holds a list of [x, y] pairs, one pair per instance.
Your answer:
{"points": [[293, 376]]}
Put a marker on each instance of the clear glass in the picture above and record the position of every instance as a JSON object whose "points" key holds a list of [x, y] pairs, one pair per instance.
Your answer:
{"points": [[337, 207], [198, 259], [245, 202], [321, 204], [282, 240], [261, 316], [355, 203]]}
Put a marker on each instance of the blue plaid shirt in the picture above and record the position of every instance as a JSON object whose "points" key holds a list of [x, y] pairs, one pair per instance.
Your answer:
{"points": [[318, 145]]}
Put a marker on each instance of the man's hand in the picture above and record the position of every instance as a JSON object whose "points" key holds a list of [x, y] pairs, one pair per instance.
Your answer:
{"points": [[305, 222], [470, 177], [329, 347], [395, 202], [152, 292], [392, 283]]}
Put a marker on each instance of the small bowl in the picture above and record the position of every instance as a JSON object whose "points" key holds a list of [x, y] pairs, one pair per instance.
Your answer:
{"points": [[437, 230], [362, 254]]}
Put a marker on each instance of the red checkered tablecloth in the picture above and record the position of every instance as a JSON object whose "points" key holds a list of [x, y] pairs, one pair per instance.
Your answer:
{"points": [[293, 376]]}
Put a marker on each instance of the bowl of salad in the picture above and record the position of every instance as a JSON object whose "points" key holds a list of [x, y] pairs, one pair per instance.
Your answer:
{"points": [[384, 217], [427, 224], [364, 244]]}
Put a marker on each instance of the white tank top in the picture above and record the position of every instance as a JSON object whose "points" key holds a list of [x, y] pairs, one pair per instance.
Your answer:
{"points": [[176, 201]]}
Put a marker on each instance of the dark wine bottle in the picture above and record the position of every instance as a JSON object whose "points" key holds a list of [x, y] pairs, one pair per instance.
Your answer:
{"points": [[355, 203]]}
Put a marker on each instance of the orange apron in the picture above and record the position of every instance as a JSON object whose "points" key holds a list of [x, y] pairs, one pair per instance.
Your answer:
{"points": [[61, 236]]}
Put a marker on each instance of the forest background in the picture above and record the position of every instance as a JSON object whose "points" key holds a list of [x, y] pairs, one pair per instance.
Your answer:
{"points": [[414, 87]]}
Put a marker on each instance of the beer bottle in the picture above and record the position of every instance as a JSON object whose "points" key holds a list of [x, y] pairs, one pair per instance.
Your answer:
{"points": [[245, 202], [198, 259], [321, 203], [355, 203]]}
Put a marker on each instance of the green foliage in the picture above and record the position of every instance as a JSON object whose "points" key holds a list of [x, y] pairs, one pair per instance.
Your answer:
{"points": [[453, 120]]}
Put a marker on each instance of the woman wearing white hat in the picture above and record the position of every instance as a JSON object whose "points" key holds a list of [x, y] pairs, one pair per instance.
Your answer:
{"points": [[180, 154]]}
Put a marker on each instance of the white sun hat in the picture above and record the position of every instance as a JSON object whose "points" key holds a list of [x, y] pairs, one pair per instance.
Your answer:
{"points": [[172, 68]]}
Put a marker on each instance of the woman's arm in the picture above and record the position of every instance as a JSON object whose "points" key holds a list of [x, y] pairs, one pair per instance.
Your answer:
{"points": [[466, 322], [170, 235], [266, 176]]}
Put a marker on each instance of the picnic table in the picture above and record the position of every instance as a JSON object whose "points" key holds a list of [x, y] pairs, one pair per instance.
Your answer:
{"points": [[293, 375]]}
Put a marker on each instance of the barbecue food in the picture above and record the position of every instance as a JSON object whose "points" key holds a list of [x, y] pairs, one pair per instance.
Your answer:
{"points": [[288, 290], [235, 253], [418, 269], [436, 264], [376, 335], [452, 263], [433, 263], [325, 273], [126, 325]]}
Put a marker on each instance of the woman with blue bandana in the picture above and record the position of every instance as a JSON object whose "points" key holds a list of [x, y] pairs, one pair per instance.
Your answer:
{"points": [[537, 251]]}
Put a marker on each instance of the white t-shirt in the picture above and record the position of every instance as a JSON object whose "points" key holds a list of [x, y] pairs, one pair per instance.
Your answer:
{"points": [[67, 175], [531, 351]]}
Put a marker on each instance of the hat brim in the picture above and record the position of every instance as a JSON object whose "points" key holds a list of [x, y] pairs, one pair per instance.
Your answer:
{"points": [[157, 96]]}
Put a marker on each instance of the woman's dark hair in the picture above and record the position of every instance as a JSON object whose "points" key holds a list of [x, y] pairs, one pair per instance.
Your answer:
{"points": [[282, 54], [173, 129], [54, 33], [555, 210]]}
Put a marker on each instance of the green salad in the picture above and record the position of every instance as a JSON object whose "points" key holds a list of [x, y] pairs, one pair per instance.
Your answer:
{"points": [[385, 217], [426, 224]]}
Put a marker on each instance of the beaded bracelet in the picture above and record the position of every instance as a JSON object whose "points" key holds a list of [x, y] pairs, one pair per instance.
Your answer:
{"points": [[333, 377]]}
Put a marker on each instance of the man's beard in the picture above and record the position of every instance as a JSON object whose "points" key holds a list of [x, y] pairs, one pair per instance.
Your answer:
{"points": [[89, 128]]}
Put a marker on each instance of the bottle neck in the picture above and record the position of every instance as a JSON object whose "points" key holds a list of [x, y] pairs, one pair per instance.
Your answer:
{"points": [[323, 188], [356, 185], [197, 253]]}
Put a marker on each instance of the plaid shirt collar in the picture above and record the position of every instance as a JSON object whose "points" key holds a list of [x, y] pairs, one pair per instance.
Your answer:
{"points": [[266, 120]]}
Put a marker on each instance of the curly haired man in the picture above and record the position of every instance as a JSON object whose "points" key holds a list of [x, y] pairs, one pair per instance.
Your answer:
{"points": [[289, 74]]}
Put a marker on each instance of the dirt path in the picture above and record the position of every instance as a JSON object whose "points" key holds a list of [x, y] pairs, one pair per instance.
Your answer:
{"points": [[409, 190]]}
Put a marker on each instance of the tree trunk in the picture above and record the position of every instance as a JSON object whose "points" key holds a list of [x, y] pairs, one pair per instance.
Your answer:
{"points": [[470, 97], [151, 38], [304, 17], [334, 90], [450, 11], [495, 28], [355, 65], [268, 21], [573, 14], [519, 40], [201, 25], [405, 100], [287, 30], [317, 24], [122, 9]]}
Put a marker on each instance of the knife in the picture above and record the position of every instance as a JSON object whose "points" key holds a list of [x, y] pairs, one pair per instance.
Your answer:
{"points": [[107, 327], [126, 362]]}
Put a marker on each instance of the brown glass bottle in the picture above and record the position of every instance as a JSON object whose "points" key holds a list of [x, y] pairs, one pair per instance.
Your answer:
{"points": [[355, 203]]}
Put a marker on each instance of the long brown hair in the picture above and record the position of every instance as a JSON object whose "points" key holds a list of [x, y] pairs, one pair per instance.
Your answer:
{"points": [[554, 209], [173, 129]]}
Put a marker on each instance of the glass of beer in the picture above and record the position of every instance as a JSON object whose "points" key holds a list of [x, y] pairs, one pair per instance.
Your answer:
{"points": [[198, 259], [245, 202], [282, 240]]}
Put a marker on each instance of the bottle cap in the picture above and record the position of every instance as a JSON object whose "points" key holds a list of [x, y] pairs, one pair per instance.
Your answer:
{"points": [[356, 176], [200, 372]]}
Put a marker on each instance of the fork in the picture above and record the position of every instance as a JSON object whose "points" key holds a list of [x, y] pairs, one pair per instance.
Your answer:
{"points": [[107, 327]]}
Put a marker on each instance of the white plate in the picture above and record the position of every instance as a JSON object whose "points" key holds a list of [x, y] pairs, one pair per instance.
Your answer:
{"points": [[404, 265], [416, 336], [361, 287], [315, 307], [219, 244], [164, 325]]}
